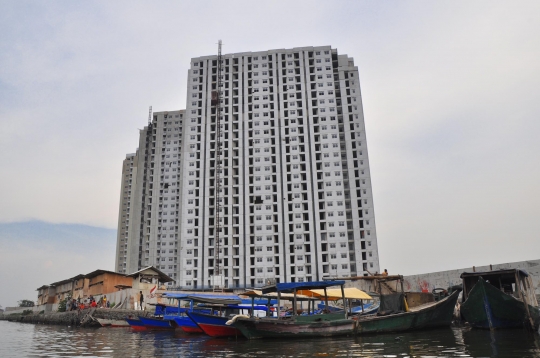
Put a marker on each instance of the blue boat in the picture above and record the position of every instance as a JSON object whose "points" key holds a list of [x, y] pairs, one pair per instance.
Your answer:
{"points": [[157, 323], [135, 323], [213, 324], [182, 318]]}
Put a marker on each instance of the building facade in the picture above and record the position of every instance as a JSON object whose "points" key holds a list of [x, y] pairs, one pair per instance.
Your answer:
{"points": [[295, 191], [127, 197], [148, 222]]}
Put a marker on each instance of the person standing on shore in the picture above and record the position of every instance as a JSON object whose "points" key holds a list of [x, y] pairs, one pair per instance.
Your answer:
{"points": [[141, 300]]}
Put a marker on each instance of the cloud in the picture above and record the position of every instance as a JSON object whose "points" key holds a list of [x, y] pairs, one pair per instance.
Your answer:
{"points": [[449, 94], [38, 253]]}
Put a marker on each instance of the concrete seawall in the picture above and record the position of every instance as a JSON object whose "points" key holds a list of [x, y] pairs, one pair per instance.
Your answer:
{"points": [[444, 279], [74, 318]]}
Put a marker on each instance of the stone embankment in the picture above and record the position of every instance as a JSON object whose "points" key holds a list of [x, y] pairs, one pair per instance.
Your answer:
{"points": [[81, 318]]}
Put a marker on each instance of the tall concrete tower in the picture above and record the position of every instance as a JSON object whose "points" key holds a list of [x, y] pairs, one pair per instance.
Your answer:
{"points": [[295, 191]]}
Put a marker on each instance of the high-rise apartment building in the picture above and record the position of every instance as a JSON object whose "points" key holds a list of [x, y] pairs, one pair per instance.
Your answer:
{"points": [[148, 223], [295, 190], [127, 197]]}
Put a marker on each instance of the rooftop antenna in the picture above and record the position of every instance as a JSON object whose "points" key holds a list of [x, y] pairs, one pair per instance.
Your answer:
{"points": [[150, 115], [216, 101]]}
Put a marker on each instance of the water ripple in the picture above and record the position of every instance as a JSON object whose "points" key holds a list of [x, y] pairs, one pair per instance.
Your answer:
{"points": [[27, 340]]}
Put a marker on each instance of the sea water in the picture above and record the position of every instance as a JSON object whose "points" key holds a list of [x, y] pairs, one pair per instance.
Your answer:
{"points": [[29, 340]]}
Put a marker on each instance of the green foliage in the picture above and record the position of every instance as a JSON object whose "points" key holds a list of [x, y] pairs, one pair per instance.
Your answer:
{"points": [[26, 303], [26, 312], [42, 312], [112, 304], [62, 304]]}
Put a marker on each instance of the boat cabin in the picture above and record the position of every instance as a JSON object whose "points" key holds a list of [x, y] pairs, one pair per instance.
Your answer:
{"points": [[513, 282]]}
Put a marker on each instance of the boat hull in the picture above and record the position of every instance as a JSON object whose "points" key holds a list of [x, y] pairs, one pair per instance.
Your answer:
{"points": [[136, 324], [186, 324], [191, 329], [326, 325], [489, 308], [439, 314], [214, 326], [114, 323], [156, 324]]}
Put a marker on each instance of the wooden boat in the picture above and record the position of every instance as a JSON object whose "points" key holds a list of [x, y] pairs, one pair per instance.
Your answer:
{"points": [[499, 299], [186, 324], [428, 315], [296, 326], [213, 325], [157, 323], [112, 322], [135, 324], [202, 319]]}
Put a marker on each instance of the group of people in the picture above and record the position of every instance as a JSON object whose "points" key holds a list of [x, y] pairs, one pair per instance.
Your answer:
{"points": [[90, 302]]}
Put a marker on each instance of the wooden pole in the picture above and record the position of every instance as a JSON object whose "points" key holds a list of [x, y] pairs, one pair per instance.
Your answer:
{"points": [[325, 299], [344, 300], [294, 302], [525, 301], [278, 303]]}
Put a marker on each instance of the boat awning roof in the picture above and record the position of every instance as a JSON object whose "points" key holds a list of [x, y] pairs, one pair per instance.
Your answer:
{"points": [[495, 273], [274, 295], [291, 286], [351, 293], [205, 298]]}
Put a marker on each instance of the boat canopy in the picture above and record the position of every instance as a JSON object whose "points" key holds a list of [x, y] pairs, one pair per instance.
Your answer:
{"points": [[247, 307], [495, 273], [289, 287], [351, 293], [273, 296], [205, 298]]}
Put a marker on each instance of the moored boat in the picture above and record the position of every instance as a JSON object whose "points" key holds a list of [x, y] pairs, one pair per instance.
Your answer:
{"points": [[297, 326], [213, 325], [135, 324], [499, 299], [185, 322], [112, 322], [157, 323], [428, 315]]}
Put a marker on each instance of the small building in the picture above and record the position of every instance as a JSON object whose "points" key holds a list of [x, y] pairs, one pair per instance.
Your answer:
{"points": [[65, 288], [102, 282], [148, 278], [46, 294], [120, 289]]}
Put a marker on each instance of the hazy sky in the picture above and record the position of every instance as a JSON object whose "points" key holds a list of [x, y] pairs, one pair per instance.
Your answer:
{"points": [[450, 92]]}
